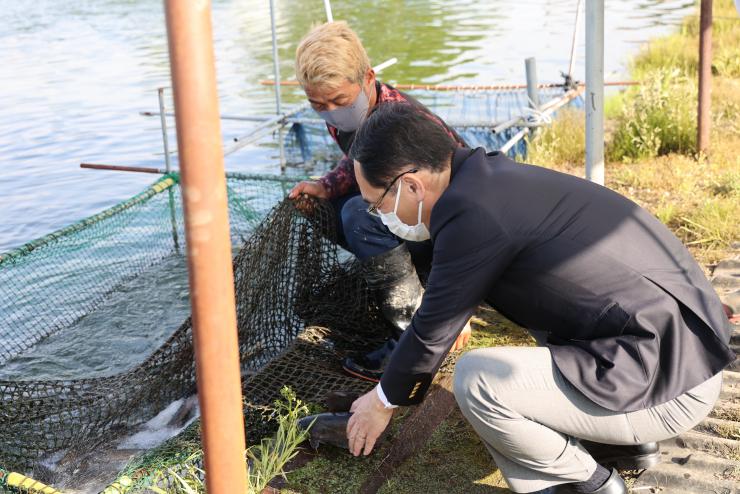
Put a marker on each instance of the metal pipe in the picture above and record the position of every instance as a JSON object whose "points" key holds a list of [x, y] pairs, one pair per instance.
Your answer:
{"points": [[530, 65], [704, 120], [469, 87], [275, 59], [163, 125], [572, 64], [516, 138], [595, 91], [161, 171], [203, 182], [545, 110], [168, 168], [121, 168], [327, 8], [384, 65], [245, 118]]}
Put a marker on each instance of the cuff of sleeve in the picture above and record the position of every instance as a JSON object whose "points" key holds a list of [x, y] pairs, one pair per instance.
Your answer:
{"points": [[383, 399], [328, 185]]}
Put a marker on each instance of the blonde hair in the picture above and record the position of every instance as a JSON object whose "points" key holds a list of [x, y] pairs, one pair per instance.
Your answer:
{"points": [[329, 55]]}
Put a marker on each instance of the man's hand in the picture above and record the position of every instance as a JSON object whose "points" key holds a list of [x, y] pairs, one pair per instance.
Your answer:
{"points": [[462, 339], [369, 420], [309, 187]]}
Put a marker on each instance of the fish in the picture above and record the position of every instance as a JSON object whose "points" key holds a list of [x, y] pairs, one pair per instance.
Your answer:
{"points": [[326, 428]]}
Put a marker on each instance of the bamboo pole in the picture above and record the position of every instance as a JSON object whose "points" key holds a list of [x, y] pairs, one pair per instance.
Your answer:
{"points": [[704, 121], [208, 242]]}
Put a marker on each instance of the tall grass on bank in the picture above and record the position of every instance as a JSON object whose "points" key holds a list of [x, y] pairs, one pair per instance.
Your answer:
{"points": [[657, 117], [680, 50]]}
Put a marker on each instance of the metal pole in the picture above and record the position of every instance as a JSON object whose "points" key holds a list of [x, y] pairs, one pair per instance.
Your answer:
{"points": [[275, 59], [327, 7], [572, 64], [595, 91], [168, 167], [203, 182], [163, 125], [530, 65], [704, 121]]}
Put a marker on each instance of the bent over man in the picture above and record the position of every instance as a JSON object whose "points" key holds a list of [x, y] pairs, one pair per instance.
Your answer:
{"points": [[634, 337]]}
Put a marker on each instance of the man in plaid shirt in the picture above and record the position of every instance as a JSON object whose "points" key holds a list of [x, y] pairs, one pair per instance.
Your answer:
{"points": [[335, 73]]}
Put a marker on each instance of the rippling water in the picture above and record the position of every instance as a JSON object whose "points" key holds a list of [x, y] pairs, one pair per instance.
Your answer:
{"points": [[74, 74]]}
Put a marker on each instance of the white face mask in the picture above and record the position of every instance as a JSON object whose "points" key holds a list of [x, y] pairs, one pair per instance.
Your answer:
{"points": [[416, 233]]}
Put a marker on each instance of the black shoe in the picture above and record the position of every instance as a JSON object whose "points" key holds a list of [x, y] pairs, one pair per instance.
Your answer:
{"points": [[637, 457], [613, 485], [370, 366]]}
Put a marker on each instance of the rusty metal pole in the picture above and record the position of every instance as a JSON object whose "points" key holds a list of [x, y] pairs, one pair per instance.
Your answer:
{"points": [[705, 78], [208, 243]]}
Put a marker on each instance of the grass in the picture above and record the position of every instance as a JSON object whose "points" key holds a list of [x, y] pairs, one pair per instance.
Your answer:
{"points": [[178, 467], [651, 138], [680, 50]]}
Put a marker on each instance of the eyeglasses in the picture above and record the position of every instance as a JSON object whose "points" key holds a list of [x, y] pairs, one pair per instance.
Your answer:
{"points": [[373, 208]]}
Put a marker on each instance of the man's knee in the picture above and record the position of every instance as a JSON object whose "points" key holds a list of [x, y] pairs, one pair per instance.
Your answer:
{"points": [[354, 213], [469, 383], [479, 377]]}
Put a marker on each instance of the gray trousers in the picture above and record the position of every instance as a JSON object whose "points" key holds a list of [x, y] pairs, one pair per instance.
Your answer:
{"points": [[530, 418]]}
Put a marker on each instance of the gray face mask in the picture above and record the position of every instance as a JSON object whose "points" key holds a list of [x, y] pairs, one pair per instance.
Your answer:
{"points": [[348, 118]]}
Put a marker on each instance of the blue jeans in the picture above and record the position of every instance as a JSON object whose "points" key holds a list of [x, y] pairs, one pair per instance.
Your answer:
{"points": [[366, 236]]}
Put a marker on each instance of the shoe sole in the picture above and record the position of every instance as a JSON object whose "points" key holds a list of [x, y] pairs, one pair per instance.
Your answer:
{"points": [[359, 376], [642, 462]]}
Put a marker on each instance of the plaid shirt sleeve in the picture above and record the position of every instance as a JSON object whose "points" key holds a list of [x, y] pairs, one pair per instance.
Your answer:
{"points": [[341, 179]]}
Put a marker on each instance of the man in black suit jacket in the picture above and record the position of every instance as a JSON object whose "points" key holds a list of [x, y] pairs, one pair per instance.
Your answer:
{"points": [[636, 337]]}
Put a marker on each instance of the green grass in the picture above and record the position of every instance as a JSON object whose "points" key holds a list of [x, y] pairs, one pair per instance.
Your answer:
{"points": [[178, 464], [656, 118], [680, 50], [563, 143]]}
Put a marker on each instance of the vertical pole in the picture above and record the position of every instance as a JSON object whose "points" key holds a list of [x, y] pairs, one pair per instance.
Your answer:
{"points": [[595, 91], [530, 65], [573, 44], [208, 244], [327, 7], [705, 78], [163, 125], [168, 167], [275, 59]]}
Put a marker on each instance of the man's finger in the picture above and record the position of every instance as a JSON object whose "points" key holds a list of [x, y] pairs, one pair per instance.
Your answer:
{"points": [[356, 444], [369, 444], [351, 425]]}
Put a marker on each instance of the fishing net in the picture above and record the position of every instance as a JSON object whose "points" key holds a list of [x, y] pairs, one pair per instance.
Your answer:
{"points": [[95, 335], [289, 275]]}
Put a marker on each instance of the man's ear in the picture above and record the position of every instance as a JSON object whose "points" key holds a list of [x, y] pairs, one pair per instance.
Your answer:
{"points": [[369, 76], [416, 186]]}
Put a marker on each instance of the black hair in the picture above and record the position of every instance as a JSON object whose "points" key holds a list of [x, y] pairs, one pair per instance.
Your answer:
{"points": [[396, 135]]}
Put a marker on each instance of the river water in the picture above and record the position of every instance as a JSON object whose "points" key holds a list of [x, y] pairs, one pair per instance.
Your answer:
{"points": [[75, 73]]}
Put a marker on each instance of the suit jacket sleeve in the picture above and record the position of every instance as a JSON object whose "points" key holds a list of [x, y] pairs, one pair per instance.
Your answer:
{"points": [[471, 250]]}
